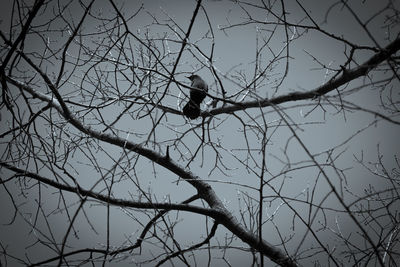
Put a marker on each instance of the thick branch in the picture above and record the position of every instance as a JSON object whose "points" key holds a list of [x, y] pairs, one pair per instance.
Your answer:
{"points": [[334, 83], [113, 201], [204, 189]]}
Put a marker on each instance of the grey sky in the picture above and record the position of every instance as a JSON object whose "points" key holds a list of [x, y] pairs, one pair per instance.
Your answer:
{"points": [[234, 55]]}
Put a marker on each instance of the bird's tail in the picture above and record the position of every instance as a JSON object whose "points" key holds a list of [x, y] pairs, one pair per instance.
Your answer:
{"points": [[191, 110]]}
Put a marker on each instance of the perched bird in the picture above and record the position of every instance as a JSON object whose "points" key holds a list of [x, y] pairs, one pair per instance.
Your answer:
{"points": [[197, 95]]}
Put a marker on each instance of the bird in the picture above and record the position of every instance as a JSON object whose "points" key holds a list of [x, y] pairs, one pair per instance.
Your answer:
{"points": [[197, 94]]}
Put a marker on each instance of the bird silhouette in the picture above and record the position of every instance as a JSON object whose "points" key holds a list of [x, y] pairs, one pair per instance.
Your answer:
{"points": [[197, 94]]}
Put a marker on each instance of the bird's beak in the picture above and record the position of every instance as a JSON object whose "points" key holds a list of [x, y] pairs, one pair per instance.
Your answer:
{"points": [[188, 77]]}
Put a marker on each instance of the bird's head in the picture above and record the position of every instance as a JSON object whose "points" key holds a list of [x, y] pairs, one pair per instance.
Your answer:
{"points": [[193, 77]]}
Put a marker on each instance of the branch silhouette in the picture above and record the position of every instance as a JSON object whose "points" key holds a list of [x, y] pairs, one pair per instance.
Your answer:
{"points": [[205, 191], [53, 115]]}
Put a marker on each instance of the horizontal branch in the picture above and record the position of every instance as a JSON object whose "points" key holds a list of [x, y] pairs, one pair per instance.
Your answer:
{"points": [[137, 244], [332, 84], [205, 191], [113, 201], [221, 215], [217, 209]]}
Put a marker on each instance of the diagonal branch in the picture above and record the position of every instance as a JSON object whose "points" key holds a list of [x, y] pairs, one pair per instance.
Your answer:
{"points": [[13, 46], [204, 190], [198, 245], [113, 201], [332, 84], [137, 244]]}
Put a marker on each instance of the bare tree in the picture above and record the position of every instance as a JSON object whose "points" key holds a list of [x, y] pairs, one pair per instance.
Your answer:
{"points": [[293, 160]]}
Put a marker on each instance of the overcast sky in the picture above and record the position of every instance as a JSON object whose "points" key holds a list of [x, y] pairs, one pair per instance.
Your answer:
{"points": [[234, 54]]}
